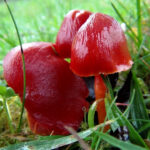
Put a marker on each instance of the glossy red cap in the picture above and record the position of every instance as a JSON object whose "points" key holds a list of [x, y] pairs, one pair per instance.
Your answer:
{"points": [[55, 97], [70, 25], [100, 47]]}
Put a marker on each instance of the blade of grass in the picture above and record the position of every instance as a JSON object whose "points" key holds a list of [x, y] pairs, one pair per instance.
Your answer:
{"points": [[123, 20], [139, 25], [146, 57], [96, 139], [118, 143], [108, 84], [144, 127], [134, 135], [49, 143], [143, 120], [138, 108], [23, 62], [111, 114], [141, 47], [145, 63], [126, 112], [8, 115], [131, 36], [122, 5], [91, 114], [110, 102], [8, 40], [125, 7]]}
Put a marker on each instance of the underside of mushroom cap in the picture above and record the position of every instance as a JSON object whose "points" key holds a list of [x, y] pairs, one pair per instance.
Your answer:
{"points": [[99, 47]]}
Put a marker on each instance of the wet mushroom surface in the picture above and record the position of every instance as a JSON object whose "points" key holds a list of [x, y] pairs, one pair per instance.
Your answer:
{"points": [[55, 97], [70, 25], [100, 47]]}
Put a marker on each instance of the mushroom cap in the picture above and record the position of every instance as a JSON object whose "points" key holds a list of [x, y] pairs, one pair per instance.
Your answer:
{"points": [[99, 47], [70, 25], [54, 95]]}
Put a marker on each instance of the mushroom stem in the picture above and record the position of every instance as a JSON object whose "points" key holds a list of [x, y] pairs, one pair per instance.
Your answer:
{"points": [[100, 91]]}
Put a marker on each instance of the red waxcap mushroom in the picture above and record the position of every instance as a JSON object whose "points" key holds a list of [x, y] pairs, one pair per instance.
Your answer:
{"points": [[100, 47], [55, 97], [72, 22]]}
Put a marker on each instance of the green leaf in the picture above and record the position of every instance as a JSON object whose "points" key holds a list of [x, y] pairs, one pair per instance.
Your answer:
{"points": [[118, 143], [3, 90]]}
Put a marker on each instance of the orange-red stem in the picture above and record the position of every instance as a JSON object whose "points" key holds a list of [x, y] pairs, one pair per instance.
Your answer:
{"points": [[100, 91]]}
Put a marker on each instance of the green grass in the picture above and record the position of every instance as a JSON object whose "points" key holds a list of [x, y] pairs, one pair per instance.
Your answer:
{"points": [[40, 21]]}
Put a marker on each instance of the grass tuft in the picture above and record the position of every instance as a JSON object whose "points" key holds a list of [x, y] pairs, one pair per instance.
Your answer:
{"points": [[23, 63]]}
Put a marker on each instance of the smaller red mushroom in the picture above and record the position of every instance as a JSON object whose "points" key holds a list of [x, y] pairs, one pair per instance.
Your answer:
{"points": [[55, 97], [70, 25], [100, 47]]}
